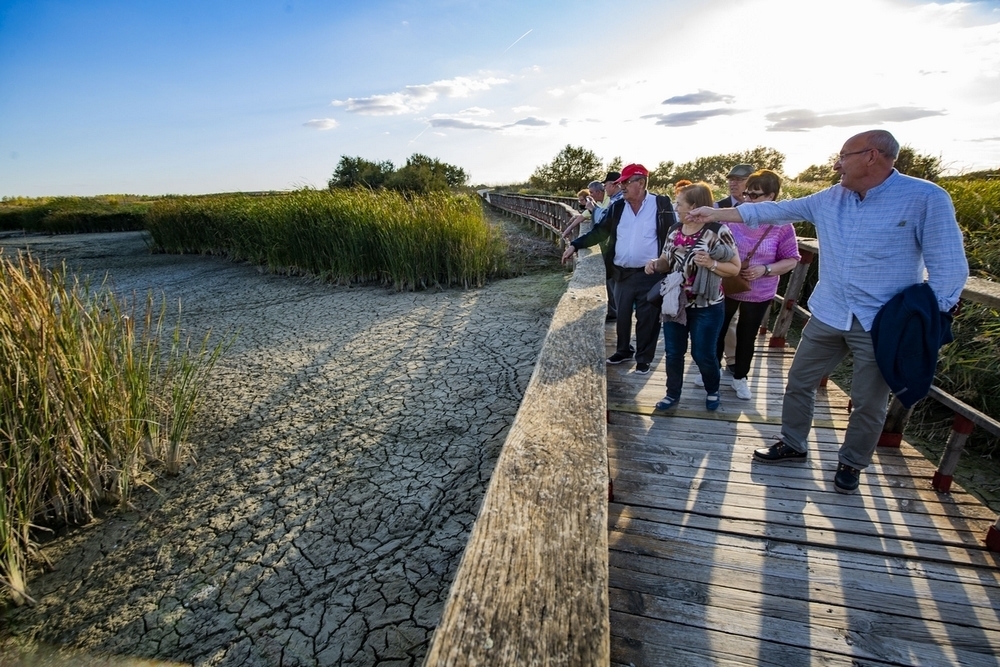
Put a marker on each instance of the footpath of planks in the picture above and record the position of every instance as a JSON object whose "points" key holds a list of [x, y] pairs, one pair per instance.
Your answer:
{"points": [[717, 560]]}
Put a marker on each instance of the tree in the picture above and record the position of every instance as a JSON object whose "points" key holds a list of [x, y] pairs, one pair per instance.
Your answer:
{"points": [[419, 174], [571, 169], [357, 171], [714, 168], [425, 174], [820, 172], [661, 175], [918, 165]]}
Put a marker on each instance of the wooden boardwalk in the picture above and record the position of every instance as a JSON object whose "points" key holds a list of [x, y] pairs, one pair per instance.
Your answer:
{"points": [[716, 560]]}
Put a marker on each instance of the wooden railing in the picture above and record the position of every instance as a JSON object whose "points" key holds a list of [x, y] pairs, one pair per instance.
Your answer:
{"points": [[552, 215], [532, 586]]}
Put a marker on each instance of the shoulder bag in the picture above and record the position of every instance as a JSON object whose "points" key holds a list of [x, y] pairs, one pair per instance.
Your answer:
{"points": [[736, 284]]}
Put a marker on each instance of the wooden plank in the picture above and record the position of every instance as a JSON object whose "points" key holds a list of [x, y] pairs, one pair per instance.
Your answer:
{"points": [[978, 583], [762, 573], [633, 485], [808, 515], [659, 523], [746, 500], [810, 626], [647, 641]]}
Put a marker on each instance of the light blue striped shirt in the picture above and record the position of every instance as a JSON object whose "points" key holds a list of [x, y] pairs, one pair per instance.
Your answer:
{"points": [[873, 248]]}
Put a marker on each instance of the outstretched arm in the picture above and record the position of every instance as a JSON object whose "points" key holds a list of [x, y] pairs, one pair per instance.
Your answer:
{"points": [[709, 214]]}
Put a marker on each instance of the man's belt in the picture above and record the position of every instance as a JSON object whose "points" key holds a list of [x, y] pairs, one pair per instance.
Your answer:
{"points": [[624, 272]]}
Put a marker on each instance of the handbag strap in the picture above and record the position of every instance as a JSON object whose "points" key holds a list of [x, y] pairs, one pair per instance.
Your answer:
{"points": [[756, 245]]}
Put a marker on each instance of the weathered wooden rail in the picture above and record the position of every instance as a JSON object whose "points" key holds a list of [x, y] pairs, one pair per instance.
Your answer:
{"points": [[532, 587], [551, 215]]}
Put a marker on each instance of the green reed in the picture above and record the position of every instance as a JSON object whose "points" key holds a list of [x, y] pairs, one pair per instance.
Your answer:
{"points": [[89, 404], [346, 236]]}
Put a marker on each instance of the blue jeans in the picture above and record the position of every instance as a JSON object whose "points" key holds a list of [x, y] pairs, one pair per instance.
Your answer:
{"points": [[703, 326]]}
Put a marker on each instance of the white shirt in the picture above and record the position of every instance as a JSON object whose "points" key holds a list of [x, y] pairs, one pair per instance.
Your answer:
{"points": [[636, 243]]}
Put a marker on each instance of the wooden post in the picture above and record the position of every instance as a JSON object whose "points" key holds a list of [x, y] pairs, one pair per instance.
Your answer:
{"points": [[895, 423], [792, 293], [960, 430]]}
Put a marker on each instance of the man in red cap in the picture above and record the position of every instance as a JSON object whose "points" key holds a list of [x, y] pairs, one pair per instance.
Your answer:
{"points": [[635, 229]]}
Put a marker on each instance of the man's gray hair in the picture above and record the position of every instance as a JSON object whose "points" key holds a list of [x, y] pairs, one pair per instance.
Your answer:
{"points": [[884, 143], [596, 185]]}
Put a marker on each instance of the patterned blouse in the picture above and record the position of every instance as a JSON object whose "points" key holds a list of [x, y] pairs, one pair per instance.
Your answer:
{"points": [[679, 252]]}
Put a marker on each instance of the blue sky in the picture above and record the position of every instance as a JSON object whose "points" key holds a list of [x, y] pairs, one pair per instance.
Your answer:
{"points": [[115, 96]]}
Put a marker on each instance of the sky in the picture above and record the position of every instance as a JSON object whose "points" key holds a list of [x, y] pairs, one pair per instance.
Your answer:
{"points": [[184, 97]]}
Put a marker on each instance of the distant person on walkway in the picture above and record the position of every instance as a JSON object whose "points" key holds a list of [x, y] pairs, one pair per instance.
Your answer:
{"points": [[775, 252], [736, 181], [635, 229], [591, 199], [615, 193], [878, 231], [703, 253]]}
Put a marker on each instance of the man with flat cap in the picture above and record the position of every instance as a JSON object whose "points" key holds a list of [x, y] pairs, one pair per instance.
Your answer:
{"points": [[737, 182]]}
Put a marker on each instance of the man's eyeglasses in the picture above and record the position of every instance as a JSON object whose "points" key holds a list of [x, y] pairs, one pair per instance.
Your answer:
{"points": [[841, 156], [753, 196], [634, 179]]}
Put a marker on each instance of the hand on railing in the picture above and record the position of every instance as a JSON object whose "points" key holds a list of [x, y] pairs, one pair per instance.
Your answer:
{"points": [[574, 222], [570, 250]]}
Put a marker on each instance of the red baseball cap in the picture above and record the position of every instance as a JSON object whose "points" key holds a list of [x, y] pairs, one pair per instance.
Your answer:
{"points": [[631, 170]]}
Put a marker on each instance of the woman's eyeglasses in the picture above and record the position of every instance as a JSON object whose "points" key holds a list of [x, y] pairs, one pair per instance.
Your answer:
{"points": [[753, 195]]}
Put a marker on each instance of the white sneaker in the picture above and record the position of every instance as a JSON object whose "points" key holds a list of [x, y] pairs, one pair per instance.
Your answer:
{"points": [[698, 381], [742, 390]]}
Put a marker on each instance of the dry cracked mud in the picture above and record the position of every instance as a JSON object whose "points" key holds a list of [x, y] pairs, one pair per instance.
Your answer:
{"points": [[344, 446]]}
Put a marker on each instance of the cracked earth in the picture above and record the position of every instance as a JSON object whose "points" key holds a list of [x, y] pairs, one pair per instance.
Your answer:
{"points": [[342, 451]]}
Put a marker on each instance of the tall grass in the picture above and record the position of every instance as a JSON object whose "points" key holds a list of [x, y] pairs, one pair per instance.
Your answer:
{"points": [[65, 215], [347, 236], [89, 403]]}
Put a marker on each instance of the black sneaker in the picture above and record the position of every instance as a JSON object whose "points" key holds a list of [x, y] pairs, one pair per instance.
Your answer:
{"points": [[641, 369], [847, 478], [618, 358], [777, 453]]}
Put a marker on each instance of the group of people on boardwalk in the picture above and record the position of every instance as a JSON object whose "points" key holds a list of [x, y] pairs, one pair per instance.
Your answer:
{"points": [[880, 231]]}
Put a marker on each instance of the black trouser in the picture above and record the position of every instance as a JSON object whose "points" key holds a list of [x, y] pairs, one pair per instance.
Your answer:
{"points": [[631, 287], [751, 315]]}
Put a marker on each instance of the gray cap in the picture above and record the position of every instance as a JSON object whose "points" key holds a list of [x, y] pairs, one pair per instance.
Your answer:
{"points": [[741, 171]]}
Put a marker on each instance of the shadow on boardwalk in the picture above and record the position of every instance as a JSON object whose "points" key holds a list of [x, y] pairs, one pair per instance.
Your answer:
{"points": [[715, 559]]}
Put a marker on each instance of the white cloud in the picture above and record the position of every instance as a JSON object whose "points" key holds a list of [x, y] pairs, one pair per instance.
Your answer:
{"points": [[461, 123], [701, 97], [417, 97], [475, 111], [799, 120], [321, 123], [524, 108]]}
